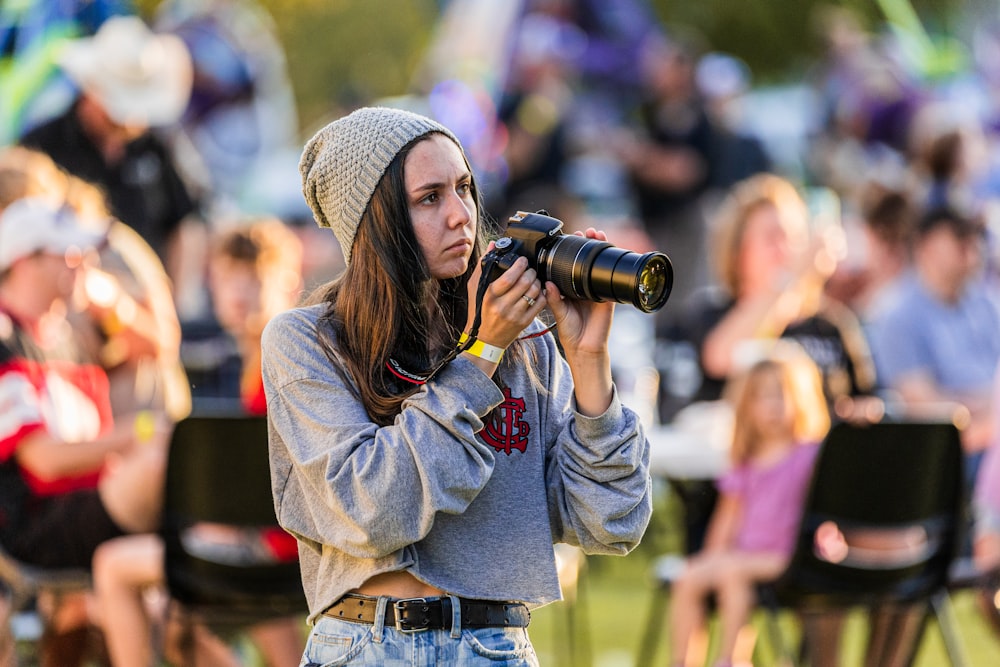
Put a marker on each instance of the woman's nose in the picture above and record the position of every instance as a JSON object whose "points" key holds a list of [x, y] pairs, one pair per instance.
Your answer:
{"points": [[460, 211]]}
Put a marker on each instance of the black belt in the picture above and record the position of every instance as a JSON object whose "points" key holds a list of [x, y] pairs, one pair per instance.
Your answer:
{"points": [[416, 614]]}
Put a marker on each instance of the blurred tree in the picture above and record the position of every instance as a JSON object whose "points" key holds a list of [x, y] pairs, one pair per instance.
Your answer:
{"points": [[778, 39], [342, 52]]}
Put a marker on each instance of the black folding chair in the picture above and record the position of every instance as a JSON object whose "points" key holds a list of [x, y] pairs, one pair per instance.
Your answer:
{"points": [[218, 519], [22, 626], [881, 526]]}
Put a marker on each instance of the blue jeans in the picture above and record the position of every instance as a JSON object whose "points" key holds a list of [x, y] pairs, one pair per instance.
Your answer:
{"points": [[334, 642]]}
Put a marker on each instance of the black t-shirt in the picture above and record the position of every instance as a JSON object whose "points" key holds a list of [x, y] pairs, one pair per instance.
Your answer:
{"points": [[144, 190], [657, 206], [832, 338]]}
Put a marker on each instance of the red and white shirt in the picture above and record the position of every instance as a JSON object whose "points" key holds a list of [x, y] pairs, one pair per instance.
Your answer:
{"points": [[48, 390]]}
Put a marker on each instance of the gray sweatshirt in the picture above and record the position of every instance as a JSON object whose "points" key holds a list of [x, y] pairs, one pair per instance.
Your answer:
{"points": [[470, 507]]}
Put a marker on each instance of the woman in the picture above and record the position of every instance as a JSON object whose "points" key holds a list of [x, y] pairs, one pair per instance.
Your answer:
{"points": [[772, 269], [448, 485]]}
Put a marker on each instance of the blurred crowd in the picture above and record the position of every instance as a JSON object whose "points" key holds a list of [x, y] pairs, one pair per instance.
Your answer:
{"points": [[853, 213]]}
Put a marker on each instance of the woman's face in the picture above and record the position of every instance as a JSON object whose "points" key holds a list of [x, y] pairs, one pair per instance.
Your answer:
{"points": [[442, 206], [764, 250]]}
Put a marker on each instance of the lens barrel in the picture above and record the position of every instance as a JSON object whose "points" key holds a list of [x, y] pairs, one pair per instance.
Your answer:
{"points": [[598, 271]]}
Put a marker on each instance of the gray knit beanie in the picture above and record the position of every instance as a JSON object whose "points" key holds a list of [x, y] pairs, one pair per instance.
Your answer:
{"points": [[343, 162]]}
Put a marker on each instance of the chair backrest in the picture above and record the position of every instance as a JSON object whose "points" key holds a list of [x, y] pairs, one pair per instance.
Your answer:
{"points": [[882, 518], [217, 515]]}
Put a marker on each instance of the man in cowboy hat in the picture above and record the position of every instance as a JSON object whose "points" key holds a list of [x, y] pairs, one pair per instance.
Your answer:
{"points": [[130, 80]]}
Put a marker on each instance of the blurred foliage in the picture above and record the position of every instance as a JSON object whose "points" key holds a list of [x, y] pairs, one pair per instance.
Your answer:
{"points": [[779, 39], [341, 52]]}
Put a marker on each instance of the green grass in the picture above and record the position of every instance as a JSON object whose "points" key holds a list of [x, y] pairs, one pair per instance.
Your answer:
{"points": [[617, 593], [614, 609]]}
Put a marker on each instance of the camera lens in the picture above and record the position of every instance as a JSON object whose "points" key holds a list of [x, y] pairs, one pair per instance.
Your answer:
{"points": [[598, 271], [656, 277]]}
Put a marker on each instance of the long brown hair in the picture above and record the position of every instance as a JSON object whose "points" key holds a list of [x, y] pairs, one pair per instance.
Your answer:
{"points": [[386, 305]]}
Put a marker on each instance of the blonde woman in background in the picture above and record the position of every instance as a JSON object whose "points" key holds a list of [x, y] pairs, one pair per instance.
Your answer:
{"points": [[771, 270]]}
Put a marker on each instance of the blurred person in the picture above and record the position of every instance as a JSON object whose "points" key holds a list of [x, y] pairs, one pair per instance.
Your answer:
{"points": [[241, 115], [667, 153], [536, 112], [395, 478], [986, 522], [772, 268], [122, 310], [950, 162], [130, 80], [888, 221], [780, 417], [940, 340], [137, 337], [254, 273], [73, 476], [986, 503], [26, 173], [868, 101], [736, 154]]}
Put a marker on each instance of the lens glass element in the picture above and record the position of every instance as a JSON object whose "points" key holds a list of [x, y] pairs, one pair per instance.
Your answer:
{"points": [[655, 281]]}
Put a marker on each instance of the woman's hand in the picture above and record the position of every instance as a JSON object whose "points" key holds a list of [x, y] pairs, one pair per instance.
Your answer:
{"points": [[583, 326], [510, 304]]}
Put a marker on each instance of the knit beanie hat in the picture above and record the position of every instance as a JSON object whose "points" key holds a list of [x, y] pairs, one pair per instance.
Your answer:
{"points": [[343, 162]]}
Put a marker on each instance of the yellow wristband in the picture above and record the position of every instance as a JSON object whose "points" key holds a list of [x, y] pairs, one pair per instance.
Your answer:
{"points": [[486, 351], [144, 426]]}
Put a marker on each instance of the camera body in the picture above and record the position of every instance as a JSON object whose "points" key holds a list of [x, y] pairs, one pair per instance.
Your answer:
{"points": [[528, 234], [581, 268]]}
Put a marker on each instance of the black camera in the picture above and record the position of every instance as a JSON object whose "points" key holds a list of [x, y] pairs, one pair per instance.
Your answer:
{"points": [[582, 268]]}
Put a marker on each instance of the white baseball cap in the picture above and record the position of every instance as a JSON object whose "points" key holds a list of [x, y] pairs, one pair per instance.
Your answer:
{"points": [[138, 76], [33, 223]]}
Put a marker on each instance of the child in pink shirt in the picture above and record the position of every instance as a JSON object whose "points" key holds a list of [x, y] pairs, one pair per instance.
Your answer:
{"points": [[780, 416]]}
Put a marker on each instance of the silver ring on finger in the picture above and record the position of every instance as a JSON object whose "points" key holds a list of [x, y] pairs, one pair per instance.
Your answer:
{"points": [[531, 302]]}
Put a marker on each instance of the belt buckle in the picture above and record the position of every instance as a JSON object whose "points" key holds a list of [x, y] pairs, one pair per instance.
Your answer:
{"points": [[400, 606]]}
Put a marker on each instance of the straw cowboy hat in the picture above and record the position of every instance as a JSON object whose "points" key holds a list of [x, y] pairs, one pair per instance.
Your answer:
{"points": [[139, 77]]}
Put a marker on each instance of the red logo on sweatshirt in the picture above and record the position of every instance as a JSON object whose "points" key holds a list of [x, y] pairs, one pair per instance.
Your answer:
{"points": [[507, 430]]}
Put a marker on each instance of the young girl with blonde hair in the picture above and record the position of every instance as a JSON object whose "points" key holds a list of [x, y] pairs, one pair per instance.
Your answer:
{"points": [[780, 417]]}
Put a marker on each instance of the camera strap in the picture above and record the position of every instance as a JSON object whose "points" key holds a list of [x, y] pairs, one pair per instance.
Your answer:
{"points": [[463, 344], [489, 262]]}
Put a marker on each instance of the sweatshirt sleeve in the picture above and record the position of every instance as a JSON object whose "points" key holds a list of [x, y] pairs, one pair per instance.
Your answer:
{"points": [[338, 478], [599, 487]]}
